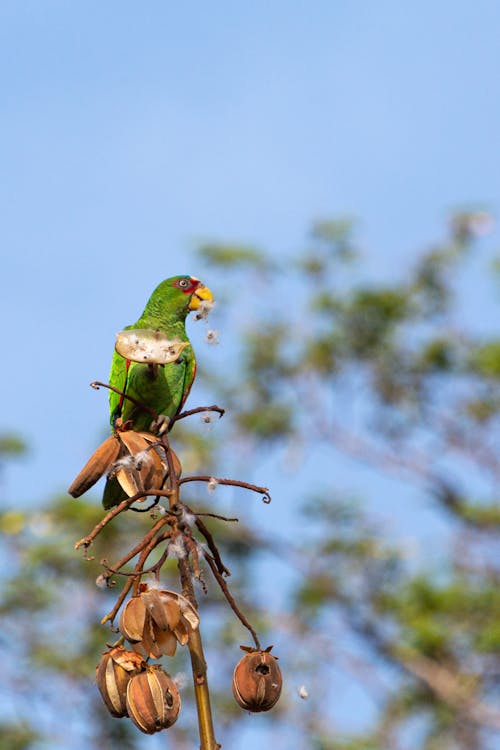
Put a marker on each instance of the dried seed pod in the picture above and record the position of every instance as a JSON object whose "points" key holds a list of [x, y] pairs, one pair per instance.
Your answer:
{"points": [[182, 632], [156, 620], [151, 471], [132, 619], [166, 641], [189, 615], [176, 462], [113, 674], [144, 470], [153, 701], [257, 681], [165, 613], [161, 453], [97, 465], [133, 441], [172, 611], [146, 345], [150, 641]]}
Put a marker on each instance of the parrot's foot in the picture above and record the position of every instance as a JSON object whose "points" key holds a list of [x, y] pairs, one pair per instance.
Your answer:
{"points": [[160, 425]]}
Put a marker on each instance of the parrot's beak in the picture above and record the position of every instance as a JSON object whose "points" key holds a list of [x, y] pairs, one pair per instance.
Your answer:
{"points": [[202, 294]]}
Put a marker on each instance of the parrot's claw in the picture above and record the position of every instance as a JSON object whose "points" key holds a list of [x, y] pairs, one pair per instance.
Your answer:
{"points": [[160, 425]]}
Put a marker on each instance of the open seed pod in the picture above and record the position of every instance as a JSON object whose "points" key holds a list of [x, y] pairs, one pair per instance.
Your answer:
{"points": [[153, 701], [148, 346], [173, 609], [145, 470], [257, 680], [113, 674], [98, 464], [156, 620], [142, 464]]}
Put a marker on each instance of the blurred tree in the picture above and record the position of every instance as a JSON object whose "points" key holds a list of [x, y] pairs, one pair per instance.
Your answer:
{"points": [[329, 363], [404, 376]]}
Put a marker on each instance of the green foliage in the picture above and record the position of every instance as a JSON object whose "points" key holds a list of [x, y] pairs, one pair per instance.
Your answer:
{"points": [[11, 445], [437, 355], [384, 372], [17, 737], [336, 237], [228, 256], [485, 359], [369, 319], [427, 390]]}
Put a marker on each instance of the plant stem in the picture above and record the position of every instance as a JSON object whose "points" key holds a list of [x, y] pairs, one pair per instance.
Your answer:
{"points": [[199, 668]]}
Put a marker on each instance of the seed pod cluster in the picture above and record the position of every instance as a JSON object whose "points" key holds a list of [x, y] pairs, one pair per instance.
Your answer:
{"points": [[130, 687], [156, 620], [257, 680]]}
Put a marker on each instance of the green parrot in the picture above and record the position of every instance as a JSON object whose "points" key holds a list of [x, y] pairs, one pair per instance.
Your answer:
{"points": [[166, 387], [162, 387]]}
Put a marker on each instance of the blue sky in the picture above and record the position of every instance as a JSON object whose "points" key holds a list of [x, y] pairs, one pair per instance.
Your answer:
{"points": [[128, 133], [131, 131]]}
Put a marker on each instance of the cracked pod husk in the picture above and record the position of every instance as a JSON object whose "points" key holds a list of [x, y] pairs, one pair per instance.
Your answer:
{"points": [[153, 701], [97, 465], [156, 620], [138, 475], [142, 463], [132, 619], [257, 681], [113, 673]]}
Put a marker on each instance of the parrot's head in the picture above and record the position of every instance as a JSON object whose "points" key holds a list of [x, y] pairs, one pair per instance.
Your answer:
{"points": [[181, 294]]}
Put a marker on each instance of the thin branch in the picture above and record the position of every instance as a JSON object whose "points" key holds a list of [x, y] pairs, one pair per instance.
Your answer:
{"points": [[212, 547], [123, 594], [198, 410], [96, 384], [234, 483], [134, 579], [223, 585], [172, 476], [145, 541], [152, 569], [216, 515], [87, 540]]}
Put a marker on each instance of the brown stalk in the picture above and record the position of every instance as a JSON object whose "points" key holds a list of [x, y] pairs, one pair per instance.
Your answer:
{"points": [[212, 547], [198, 667], [241, 617], [198, 663], [198, 410], [234, 483]]}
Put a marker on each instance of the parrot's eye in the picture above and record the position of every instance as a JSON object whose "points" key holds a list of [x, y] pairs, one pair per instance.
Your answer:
{"points": [[183, 283]]}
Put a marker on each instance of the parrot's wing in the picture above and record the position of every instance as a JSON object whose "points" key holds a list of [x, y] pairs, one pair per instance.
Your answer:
{"points": [[188, 378], [179, 377], [118, 379], [113, 493]]}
